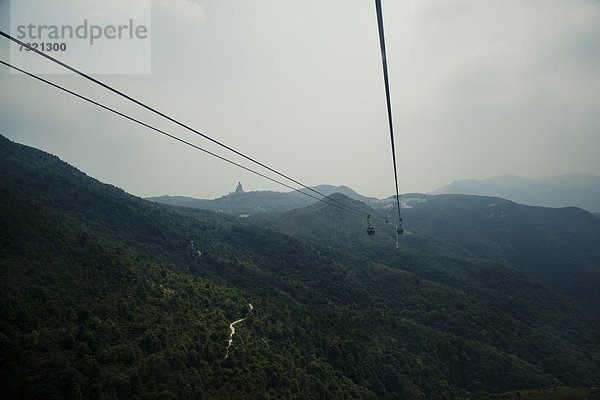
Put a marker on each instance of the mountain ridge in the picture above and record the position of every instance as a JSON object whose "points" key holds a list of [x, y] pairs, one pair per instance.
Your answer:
{"points": [[257, 202], [576, 189], [579, 190]]}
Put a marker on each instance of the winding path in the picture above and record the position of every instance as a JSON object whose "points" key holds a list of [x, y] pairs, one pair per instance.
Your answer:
{"points": [[232, 330]]}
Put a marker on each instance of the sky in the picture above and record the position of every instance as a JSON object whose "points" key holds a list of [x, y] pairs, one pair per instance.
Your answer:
{"points": [[480, 88]]}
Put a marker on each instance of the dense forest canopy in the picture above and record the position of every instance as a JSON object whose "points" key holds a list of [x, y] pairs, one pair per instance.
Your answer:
{"points": [[105, 295]]}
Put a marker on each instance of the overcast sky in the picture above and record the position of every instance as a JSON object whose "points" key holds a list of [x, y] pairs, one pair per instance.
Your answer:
{"points": [[479, 88]]}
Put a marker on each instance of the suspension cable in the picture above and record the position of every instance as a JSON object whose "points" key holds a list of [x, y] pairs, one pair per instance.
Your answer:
{"points": [[324, 199], [388, 100], [183, 125]]}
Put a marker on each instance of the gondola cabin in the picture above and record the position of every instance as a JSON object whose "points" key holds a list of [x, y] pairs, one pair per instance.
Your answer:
{"points": [[370, 228]]}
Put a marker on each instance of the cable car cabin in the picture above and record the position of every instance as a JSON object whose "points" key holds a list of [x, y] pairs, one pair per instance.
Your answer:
{"points": [[370, 228]]}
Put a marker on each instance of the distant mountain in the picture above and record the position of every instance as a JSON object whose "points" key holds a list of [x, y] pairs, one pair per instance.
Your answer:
{"points": [[257, 202], [106, 295], [579, 190], [328, 190], [240, 203]]}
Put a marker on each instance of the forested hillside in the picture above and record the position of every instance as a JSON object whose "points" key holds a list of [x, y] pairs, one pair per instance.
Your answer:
{"points": [[105, 295], [558, 247]]}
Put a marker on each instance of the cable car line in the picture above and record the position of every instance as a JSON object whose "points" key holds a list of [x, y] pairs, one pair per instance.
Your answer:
{"points": [[141, 104], [386, 81], [82, 97]]}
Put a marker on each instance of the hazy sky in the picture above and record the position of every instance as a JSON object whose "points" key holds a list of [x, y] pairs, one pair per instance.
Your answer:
{"points": [[479, 88]]}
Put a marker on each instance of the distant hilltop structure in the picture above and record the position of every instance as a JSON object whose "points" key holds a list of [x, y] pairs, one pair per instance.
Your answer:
{"points": [[239, 188]]}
